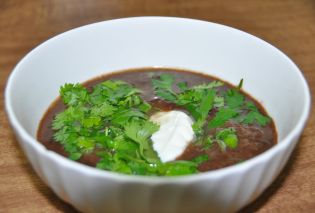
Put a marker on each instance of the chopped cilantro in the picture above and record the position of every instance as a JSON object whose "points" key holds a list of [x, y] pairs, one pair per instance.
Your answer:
{"points": [[240, 85], [228, 137], [164, 87], [124, 115], [218, 101], [182, 86], [178, 168], [198, 100], [140, 132], [111, 120], [210, 85], [234, 99], [200, 159], [254, 116], [222, 116], [73, 94], [206, 104], [207, 143]]}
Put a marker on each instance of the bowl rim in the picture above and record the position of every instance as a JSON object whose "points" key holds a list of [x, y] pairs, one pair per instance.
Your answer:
{"points": [[87, 170]]}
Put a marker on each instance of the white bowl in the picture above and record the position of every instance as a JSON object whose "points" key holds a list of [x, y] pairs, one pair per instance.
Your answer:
{"points": [[80, 54]]}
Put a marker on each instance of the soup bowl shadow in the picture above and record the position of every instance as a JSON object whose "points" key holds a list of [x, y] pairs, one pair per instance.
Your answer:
{"points": [[105, 47]]}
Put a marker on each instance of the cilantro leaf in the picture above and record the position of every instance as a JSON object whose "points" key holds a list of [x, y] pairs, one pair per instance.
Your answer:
{"points": [[114, 92], [163, 87], [240, 84], [222, 116], [91, 121], [176, 168], [198, 127], [206, 104], [68, 117], [200, 159], [201, 112], [165, 81], [85, 144], [140, 132], [234, 99], [144, 107], [73, 94], [182, 86], [228, 137], [122, 116], [111, 120], [207, 143], [75, 155], [103, 110], [210, 85], [218, 101], [253, 116]]}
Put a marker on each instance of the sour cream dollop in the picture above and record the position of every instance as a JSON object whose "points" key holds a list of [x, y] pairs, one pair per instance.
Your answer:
{"points": [[174, 135]]}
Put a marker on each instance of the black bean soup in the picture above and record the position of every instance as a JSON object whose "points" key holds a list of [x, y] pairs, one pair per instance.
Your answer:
{"points": [[253, 139]]}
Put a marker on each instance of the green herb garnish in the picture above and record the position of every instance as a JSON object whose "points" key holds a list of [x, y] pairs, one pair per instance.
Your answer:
{"points": [[230, 106], [200, 99], [111, 120], [227, 137]]}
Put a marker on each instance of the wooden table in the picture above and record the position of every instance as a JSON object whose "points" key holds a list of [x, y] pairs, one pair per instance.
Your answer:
{"points": [[287, 24]]}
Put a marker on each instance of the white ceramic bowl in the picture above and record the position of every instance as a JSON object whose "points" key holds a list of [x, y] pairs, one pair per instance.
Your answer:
{"points": [[92, 50]]}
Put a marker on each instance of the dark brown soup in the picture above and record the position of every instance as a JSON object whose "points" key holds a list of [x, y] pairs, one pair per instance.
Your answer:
{"points": [[248, 129]]}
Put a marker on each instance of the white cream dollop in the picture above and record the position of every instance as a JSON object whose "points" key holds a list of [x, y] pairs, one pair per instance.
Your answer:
{"points": [[174, 135]]}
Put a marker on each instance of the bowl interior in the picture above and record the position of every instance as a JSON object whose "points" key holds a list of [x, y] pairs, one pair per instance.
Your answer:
{"points": [[229, 54]]}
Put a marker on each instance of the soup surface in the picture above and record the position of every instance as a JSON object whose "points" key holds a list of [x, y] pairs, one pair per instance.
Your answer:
{"points": [[107, 123]]}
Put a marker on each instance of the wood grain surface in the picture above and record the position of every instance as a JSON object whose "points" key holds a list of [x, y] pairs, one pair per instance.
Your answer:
{"points": [[287, 24]]}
